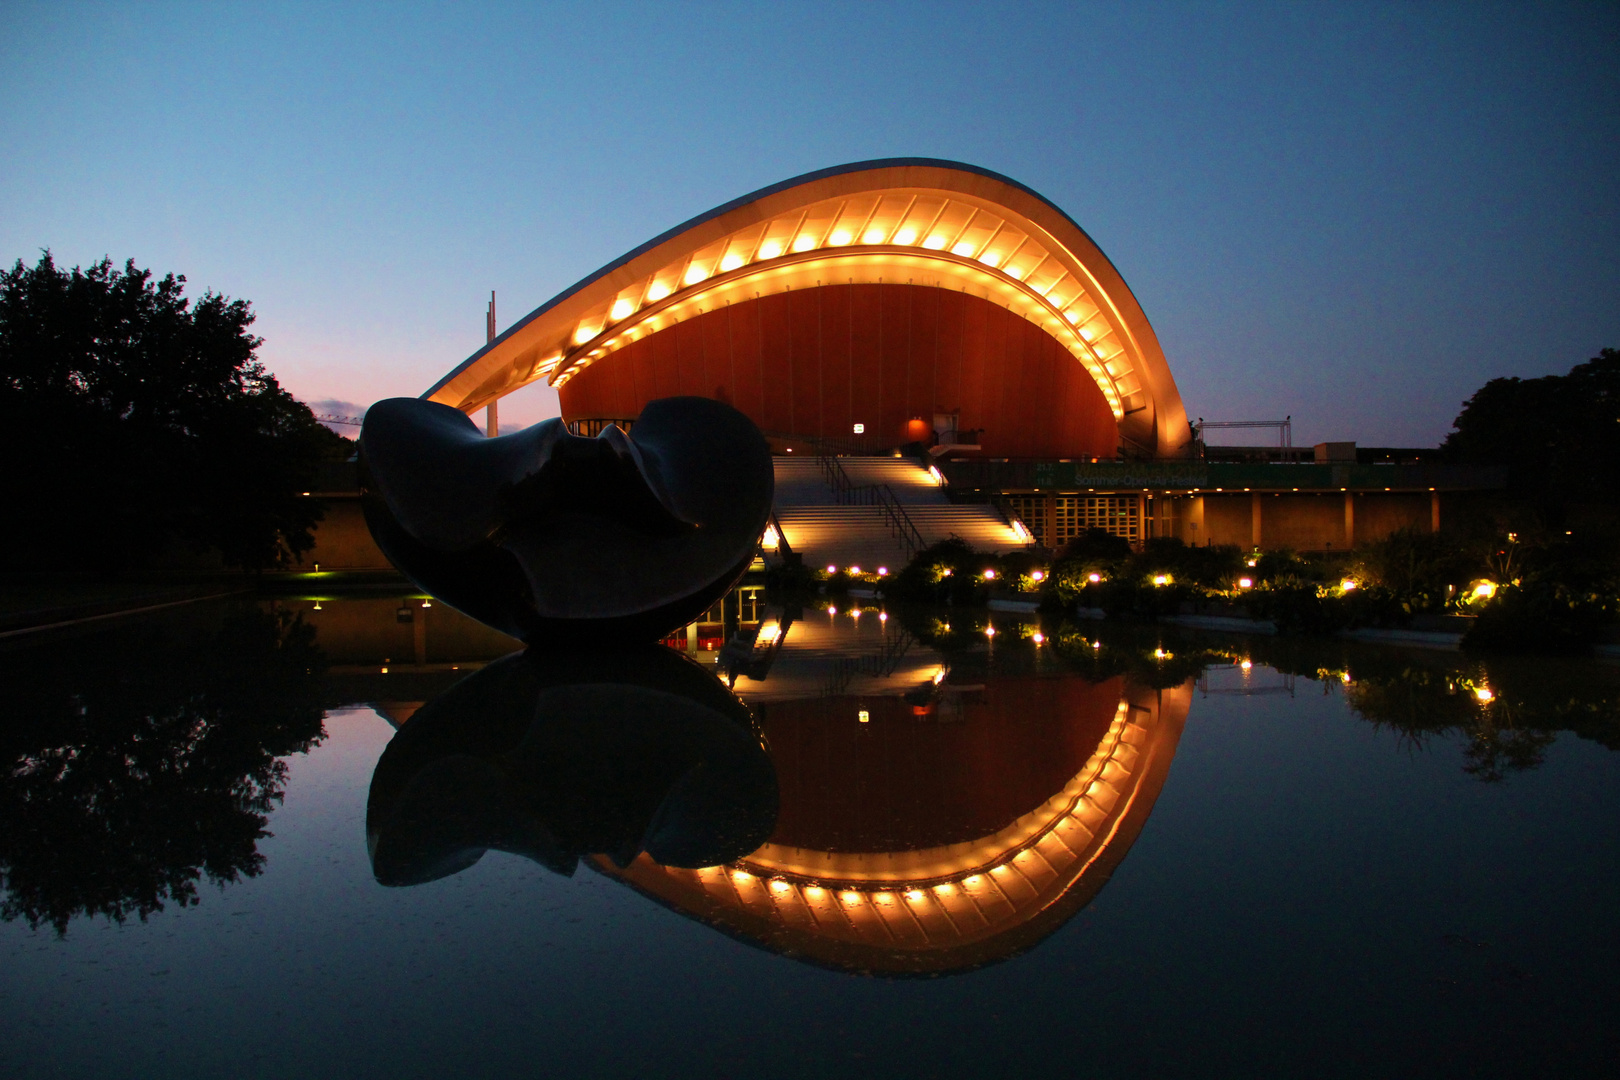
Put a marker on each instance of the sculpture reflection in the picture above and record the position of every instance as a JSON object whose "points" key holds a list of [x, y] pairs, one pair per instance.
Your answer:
{"points": [[554, 756], [878, 806]]}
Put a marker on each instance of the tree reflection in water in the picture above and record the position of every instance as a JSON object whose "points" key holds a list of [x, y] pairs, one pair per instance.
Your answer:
{"points": [[147, 758], [1506, 711]]}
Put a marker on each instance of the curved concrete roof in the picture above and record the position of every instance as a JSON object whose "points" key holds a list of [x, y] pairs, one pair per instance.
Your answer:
{"points": [[913, 221]]}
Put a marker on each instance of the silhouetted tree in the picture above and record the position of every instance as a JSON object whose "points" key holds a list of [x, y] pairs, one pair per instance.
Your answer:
{"points": [[133, 420], [134, 768], [1559, 436]]}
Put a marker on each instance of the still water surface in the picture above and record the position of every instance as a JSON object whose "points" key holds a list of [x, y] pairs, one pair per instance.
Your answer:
{"points": [[233, 844]]}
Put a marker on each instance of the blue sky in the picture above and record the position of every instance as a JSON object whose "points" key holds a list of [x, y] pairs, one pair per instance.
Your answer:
{"points": [[1354, 214]]}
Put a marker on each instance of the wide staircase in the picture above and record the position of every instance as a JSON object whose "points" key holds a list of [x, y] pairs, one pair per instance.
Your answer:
{"points": [[830, 527]]}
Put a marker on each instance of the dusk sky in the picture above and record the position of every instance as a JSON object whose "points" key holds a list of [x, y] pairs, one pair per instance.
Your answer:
{"points": [[1354, 214]]}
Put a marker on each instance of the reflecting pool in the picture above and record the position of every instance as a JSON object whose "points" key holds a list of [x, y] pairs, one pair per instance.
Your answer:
{"points": [[358, 836]]}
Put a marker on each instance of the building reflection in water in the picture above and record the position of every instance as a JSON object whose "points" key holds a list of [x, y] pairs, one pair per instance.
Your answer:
{"points": [[928, 822]]}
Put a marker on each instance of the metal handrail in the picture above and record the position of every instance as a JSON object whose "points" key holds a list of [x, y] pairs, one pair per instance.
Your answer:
{"points": [[591, 426], [899, 520], [1014, 520], [858, 445], [784, 550], [849, 493]]}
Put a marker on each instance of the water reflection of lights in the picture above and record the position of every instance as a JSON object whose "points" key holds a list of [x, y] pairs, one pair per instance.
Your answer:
{"points": [[957, 905]]}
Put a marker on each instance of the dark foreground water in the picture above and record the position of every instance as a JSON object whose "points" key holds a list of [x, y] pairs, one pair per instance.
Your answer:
{"points": [[910, 850]]}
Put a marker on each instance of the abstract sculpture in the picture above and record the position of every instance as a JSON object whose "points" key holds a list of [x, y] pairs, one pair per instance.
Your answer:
{"points": [[557, 754], [555, 538]]}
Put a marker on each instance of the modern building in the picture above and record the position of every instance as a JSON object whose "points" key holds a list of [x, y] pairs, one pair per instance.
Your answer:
{"points": [[956, 356], [892, 299]]}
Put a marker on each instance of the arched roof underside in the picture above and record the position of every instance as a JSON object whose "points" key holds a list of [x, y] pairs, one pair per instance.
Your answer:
{"points": [[906, 221]]}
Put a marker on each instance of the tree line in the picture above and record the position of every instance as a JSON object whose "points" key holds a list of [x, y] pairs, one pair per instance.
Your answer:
{"points": [[140, 427]]}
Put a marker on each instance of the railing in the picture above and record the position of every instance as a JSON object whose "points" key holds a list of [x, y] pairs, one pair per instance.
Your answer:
{"points": [[879, 665], [849, 493], [858, 445], [1013, 520], [784, 550], [591, 426]]}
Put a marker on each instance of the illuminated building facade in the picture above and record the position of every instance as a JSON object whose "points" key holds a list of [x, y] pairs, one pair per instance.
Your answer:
{"points": [[894, 298], [915, 302]]}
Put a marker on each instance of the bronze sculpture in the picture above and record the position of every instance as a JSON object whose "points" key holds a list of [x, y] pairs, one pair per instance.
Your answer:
{"points": [[559, 539]]}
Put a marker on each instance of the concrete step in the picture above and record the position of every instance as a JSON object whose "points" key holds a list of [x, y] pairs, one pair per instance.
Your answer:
{"points": [[845, 535], [799, 481]]}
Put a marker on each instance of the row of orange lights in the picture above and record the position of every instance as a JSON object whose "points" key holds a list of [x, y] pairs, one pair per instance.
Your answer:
{"points": [[696, 273]]}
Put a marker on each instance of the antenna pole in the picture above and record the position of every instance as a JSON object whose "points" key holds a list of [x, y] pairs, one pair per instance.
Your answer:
{"points": [[492, 422]]}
